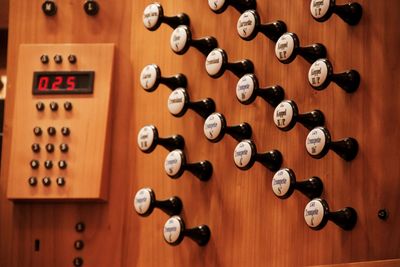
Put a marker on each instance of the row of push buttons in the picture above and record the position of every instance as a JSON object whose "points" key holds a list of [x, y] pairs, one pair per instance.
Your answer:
{"points": [[46, 181], [48, 164], [40, 106], [51, 131], [49, 148]]}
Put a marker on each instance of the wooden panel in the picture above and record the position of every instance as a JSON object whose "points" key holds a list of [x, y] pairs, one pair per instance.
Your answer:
{"points": [[4, 14], [249, 225], [385, 263]]}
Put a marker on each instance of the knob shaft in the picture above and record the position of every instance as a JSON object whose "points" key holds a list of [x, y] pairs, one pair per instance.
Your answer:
{"points": [[286, 115], [317, 214], [321, 74], [215, 128], [153, 17], [321, 11], [145, 202], [245, 155], [319, 142], [217, 63], [288, 47], [148, 139], [181, 40], [247, 90], [175, 164], [150, 79], [175, 231]]}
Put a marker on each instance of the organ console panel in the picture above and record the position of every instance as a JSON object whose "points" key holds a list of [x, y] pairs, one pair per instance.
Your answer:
{"points": [[292, 193]]}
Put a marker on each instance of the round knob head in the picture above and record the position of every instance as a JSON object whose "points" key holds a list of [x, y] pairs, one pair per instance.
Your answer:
{"points": [[150, 77], [283, 183], [285, 115], [214, 127], [180, 39], [247, 25], [315, 213], [216, 62], [152, 15], [320, 73], [321, 10], [174, 163], [177, 102], [246, 89], [317, 142], [286, 46], [244, 154], [144, 201], [217, 6], [147, 138], [173, 230]]}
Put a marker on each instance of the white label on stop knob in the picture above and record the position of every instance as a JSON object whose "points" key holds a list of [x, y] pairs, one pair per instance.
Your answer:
{"points": [[284, 47], [283, 114], [176, 101], [150, 16], [242, 154], [314, 213], [172, 229], [212, 126], [318, 73], [281, 183], [214, 62], [173, 162], [319, 8], [178, 39], [245, 88], [145, 138], [216, 4], [142, 201], [246, 24], [315, 141], [148, 77]]}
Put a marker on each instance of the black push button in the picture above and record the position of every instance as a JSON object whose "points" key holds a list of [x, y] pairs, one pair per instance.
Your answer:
{"points": [[48, 164], [72, 59], [34, 164], [80, 227], [32, 181], [64, 148], [40, 106], [62, 164], [46, 181], [50, 148], [49, 8], [65, 131], [68, 106], [44, 59], [91, 7], [37, 131], [58, 59], [79, 244], [54, 106], [78, 261], [51, 131], [36, 148], [60, 181]]}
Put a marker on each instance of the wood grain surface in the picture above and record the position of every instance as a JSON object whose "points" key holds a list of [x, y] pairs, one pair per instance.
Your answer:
{"points": [[249, 225]]}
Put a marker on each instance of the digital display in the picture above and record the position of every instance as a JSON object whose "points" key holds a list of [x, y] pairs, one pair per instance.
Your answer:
{"points": [[62, 82]]}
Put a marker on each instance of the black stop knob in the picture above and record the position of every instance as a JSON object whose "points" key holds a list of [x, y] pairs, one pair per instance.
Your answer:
{"points": [[64, 147], [53, 106], [48, 164], [288, 47], [245, 155], [249, 25], [50, 148], [217, 63], [153, 16], [247, 90], [67, 106], [321, 11], [321, 74], [65, 131], [49, 8], [36, 148], [51, 131], [37, 131], [145, 202], [219, 6], [175, 164], [179, 102], [286, 115], [175, 231], [181, 40], [148, 139], [284, 183], [79, 244], [150, 79], [60, 181], [32, 181], [91, 7], [215, 128], [78, 261], [319, 142], [317, 214], [46, 181], [62, 164], [34, 164], [40, 106], [80, 227]]}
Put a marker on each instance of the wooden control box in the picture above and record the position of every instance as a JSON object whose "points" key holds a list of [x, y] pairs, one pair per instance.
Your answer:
{"points": [[60, 146]]}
